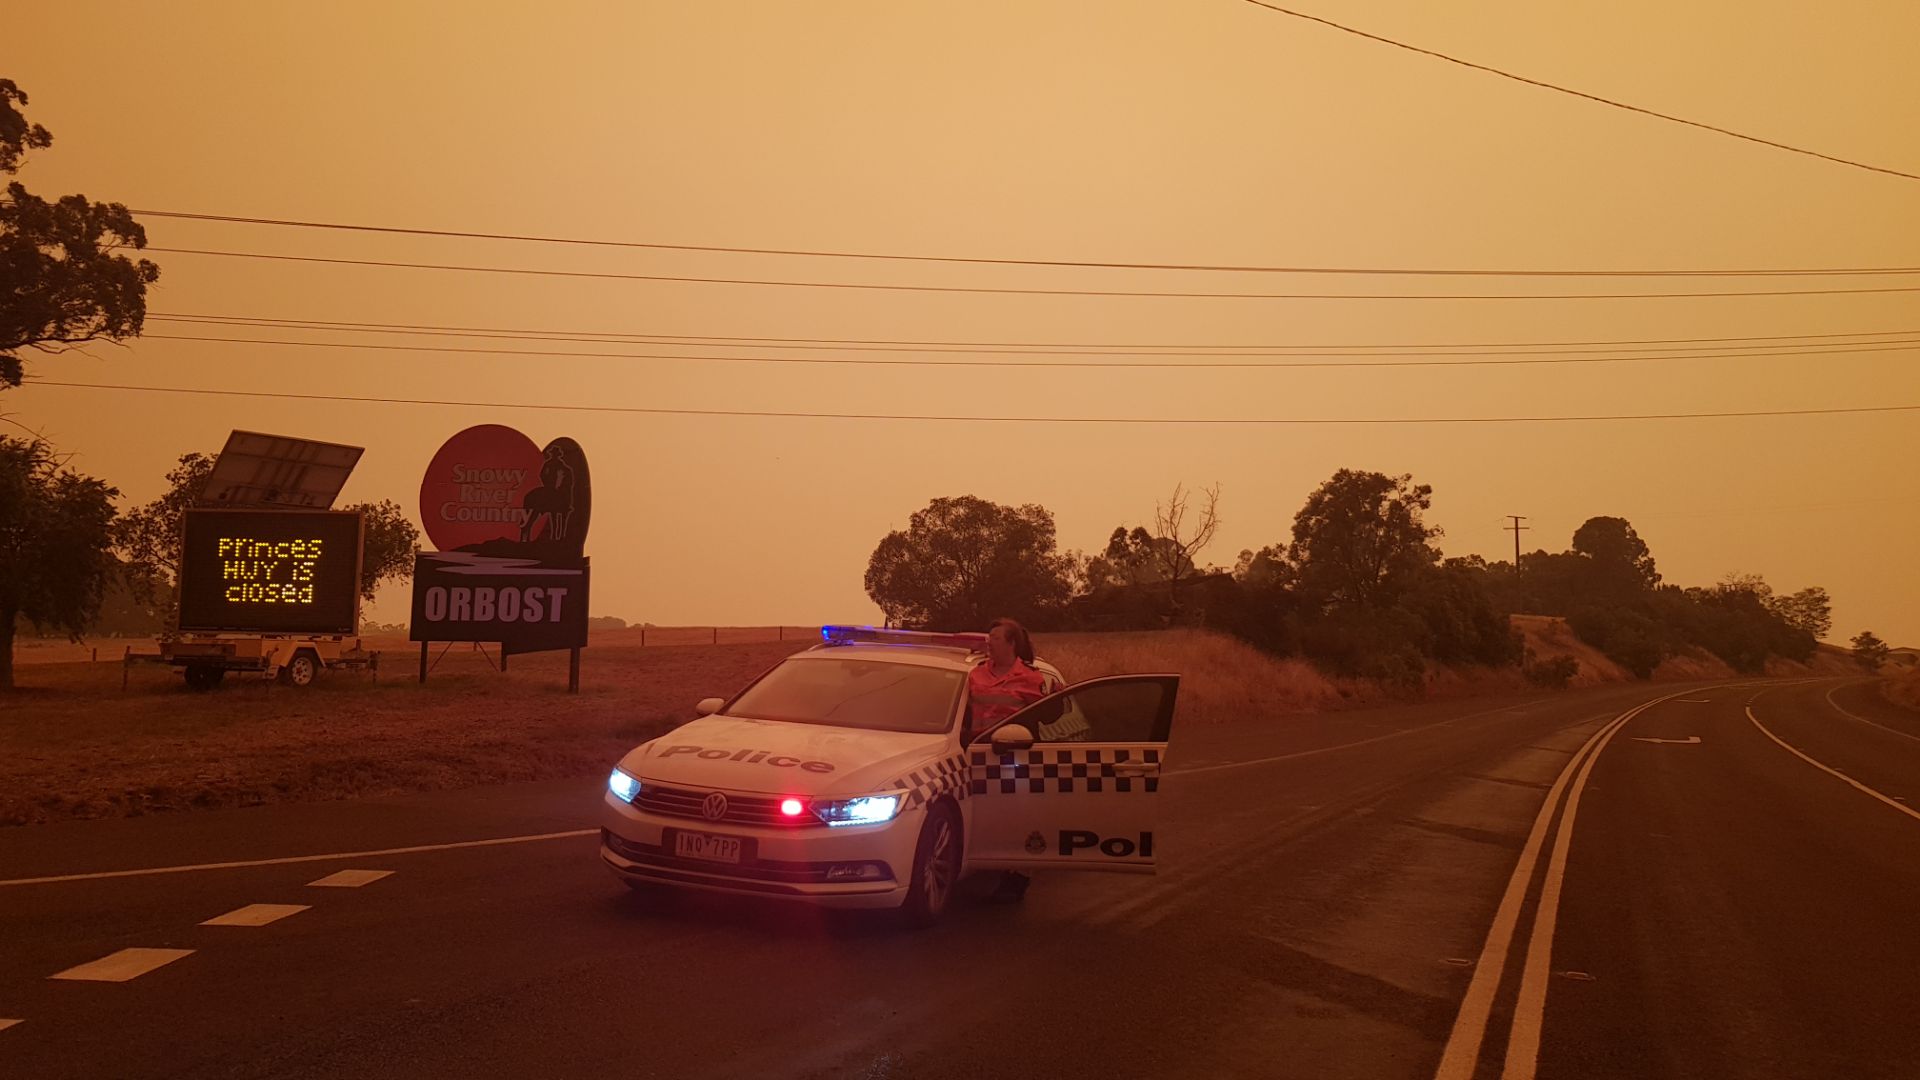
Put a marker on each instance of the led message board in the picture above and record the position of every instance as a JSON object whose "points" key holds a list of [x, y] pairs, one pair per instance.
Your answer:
{"points": [[270, 571]]}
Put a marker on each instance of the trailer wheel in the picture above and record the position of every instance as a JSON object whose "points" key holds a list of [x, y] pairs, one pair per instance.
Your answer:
{"points": [[204, 676], [301, 670]]}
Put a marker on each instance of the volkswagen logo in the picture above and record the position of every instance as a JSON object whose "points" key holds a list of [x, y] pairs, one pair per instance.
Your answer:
{"points": [[714, 806]]}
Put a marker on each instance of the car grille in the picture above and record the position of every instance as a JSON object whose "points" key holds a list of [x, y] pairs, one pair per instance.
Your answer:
{"points": [[741, 809]]}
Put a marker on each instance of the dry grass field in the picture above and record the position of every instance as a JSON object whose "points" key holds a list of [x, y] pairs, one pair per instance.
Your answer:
{"points": [[61, 651], [74, 744]]}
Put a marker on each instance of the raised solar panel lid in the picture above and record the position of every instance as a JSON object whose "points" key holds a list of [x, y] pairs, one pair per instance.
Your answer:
{"points": [[260, 470]]}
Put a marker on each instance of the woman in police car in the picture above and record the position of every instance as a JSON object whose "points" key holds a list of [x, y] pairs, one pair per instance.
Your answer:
{"points": [[996, 689], [1007, 682]]}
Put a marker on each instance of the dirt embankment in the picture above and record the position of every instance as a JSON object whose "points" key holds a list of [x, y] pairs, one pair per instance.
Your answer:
{"points": [[1903, 688], [1549, 636]]}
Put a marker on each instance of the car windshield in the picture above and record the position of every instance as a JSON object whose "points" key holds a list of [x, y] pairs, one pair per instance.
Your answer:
{"points": [[873, 694]]}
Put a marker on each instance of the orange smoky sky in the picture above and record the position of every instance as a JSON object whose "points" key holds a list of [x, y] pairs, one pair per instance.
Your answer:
{"points": [[1188, 133]]}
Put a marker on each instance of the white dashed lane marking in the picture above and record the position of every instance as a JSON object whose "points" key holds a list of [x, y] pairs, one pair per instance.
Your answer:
{"points": [[256, 915], [382, 853], [5, 1024], [349, 879], [123, 965]]}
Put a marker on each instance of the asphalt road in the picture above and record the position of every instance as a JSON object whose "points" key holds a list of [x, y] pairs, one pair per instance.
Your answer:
{"points": [[1442, 890]]}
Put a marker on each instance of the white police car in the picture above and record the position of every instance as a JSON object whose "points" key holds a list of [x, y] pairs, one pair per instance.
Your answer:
{"points": [[848, 776]]}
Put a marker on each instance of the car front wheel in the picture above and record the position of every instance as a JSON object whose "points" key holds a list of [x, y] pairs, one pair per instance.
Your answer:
{"points": [[936, 867]]}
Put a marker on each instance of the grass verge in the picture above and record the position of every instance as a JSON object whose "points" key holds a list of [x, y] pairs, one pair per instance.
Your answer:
{"points": [[73, 744]]}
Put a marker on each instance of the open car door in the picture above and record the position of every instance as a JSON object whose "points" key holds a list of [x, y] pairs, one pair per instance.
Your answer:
{"points": [[1072, 781]]}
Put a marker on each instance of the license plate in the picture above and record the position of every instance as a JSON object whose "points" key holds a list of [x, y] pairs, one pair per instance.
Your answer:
{"points": [[692, 845]]}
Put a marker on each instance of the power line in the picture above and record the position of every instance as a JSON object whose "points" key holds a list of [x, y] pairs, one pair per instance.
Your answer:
{"points": [[1579, 93], [1133, 420], [979, 261], [1030, 348], [1004, 291], [1347, 362]]}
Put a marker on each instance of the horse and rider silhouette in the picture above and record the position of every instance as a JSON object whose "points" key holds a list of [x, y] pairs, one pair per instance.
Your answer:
{"points": [[552, 501]]}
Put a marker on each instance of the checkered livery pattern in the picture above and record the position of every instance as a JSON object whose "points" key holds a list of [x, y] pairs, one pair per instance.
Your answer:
{"points": [[1107, 770], [928, 782]]}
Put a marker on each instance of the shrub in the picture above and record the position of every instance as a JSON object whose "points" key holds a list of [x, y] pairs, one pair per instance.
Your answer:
{"points": [[1627, 637], [1553, 673], [1460, 623]]}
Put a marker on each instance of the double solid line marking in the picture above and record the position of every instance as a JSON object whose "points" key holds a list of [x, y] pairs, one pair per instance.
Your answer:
{"points": [[1461, 1058]]}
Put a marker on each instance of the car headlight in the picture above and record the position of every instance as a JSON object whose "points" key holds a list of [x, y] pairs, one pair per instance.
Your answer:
{"points": [[624, 787], [865, 810]]}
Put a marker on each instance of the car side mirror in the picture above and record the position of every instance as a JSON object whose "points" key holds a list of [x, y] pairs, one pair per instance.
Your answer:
{"points": [[709, 706], [1010, 737]]}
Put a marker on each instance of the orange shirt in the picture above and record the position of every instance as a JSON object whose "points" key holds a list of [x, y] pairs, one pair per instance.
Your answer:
{"points": [[996, 697]]}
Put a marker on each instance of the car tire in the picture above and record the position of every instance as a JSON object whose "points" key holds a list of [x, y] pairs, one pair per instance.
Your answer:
{"points": [[301, 670], [936, 867]]}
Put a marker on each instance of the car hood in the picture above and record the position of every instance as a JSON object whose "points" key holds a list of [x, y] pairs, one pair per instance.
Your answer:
{"points": [[728, 753]]}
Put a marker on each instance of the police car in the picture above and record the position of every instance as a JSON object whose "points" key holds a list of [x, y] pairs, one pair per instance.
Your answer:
{"points": [[850, 775]]}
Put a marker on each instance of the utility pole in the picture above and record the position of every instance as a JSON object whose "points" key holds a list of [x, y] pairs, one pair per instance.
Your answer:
{"points": [[1517, 529]]}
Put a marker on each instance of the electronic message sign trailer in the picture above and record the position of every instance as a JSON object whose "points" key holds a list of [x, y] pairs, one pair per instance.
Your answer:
{"points": [[271, 592], [510, 519], [270, 580]]}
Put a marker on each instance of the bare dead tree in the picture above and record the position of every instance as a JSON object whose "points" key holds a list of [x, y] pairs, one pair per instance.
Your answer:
{"points": [[1175, 549]]}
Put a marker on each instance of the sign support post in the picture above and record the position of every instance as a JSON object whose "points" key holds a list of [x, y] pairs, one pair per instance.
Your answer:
{"points": [[573, 670]]}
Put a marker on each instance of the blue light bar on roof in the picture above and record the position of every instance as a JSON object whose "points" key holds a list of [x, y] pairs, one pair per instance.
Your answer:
{"points": [[874, 635]]}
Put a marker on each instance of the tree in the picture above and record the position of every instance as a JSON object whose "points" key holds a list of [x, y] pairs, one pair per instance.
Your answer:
{"points": [[1741, 583], [1176, 550], [389, 545], [1810, 610], [62, 280], [1359, 535], [1129, 559], [1622, 562], [148, 538], [963, 561], [1869, 650], [1266, 567], [55, 545]]}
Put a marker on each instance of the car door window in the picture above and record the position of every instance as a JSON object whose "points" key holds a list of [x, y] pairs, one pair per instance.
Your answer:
{"points": [[1125, 710]]}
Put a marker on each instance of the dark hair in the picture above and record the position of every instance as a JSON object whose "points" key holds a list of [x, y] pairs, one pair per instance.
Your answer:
{"points": [[1022, 642]]}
